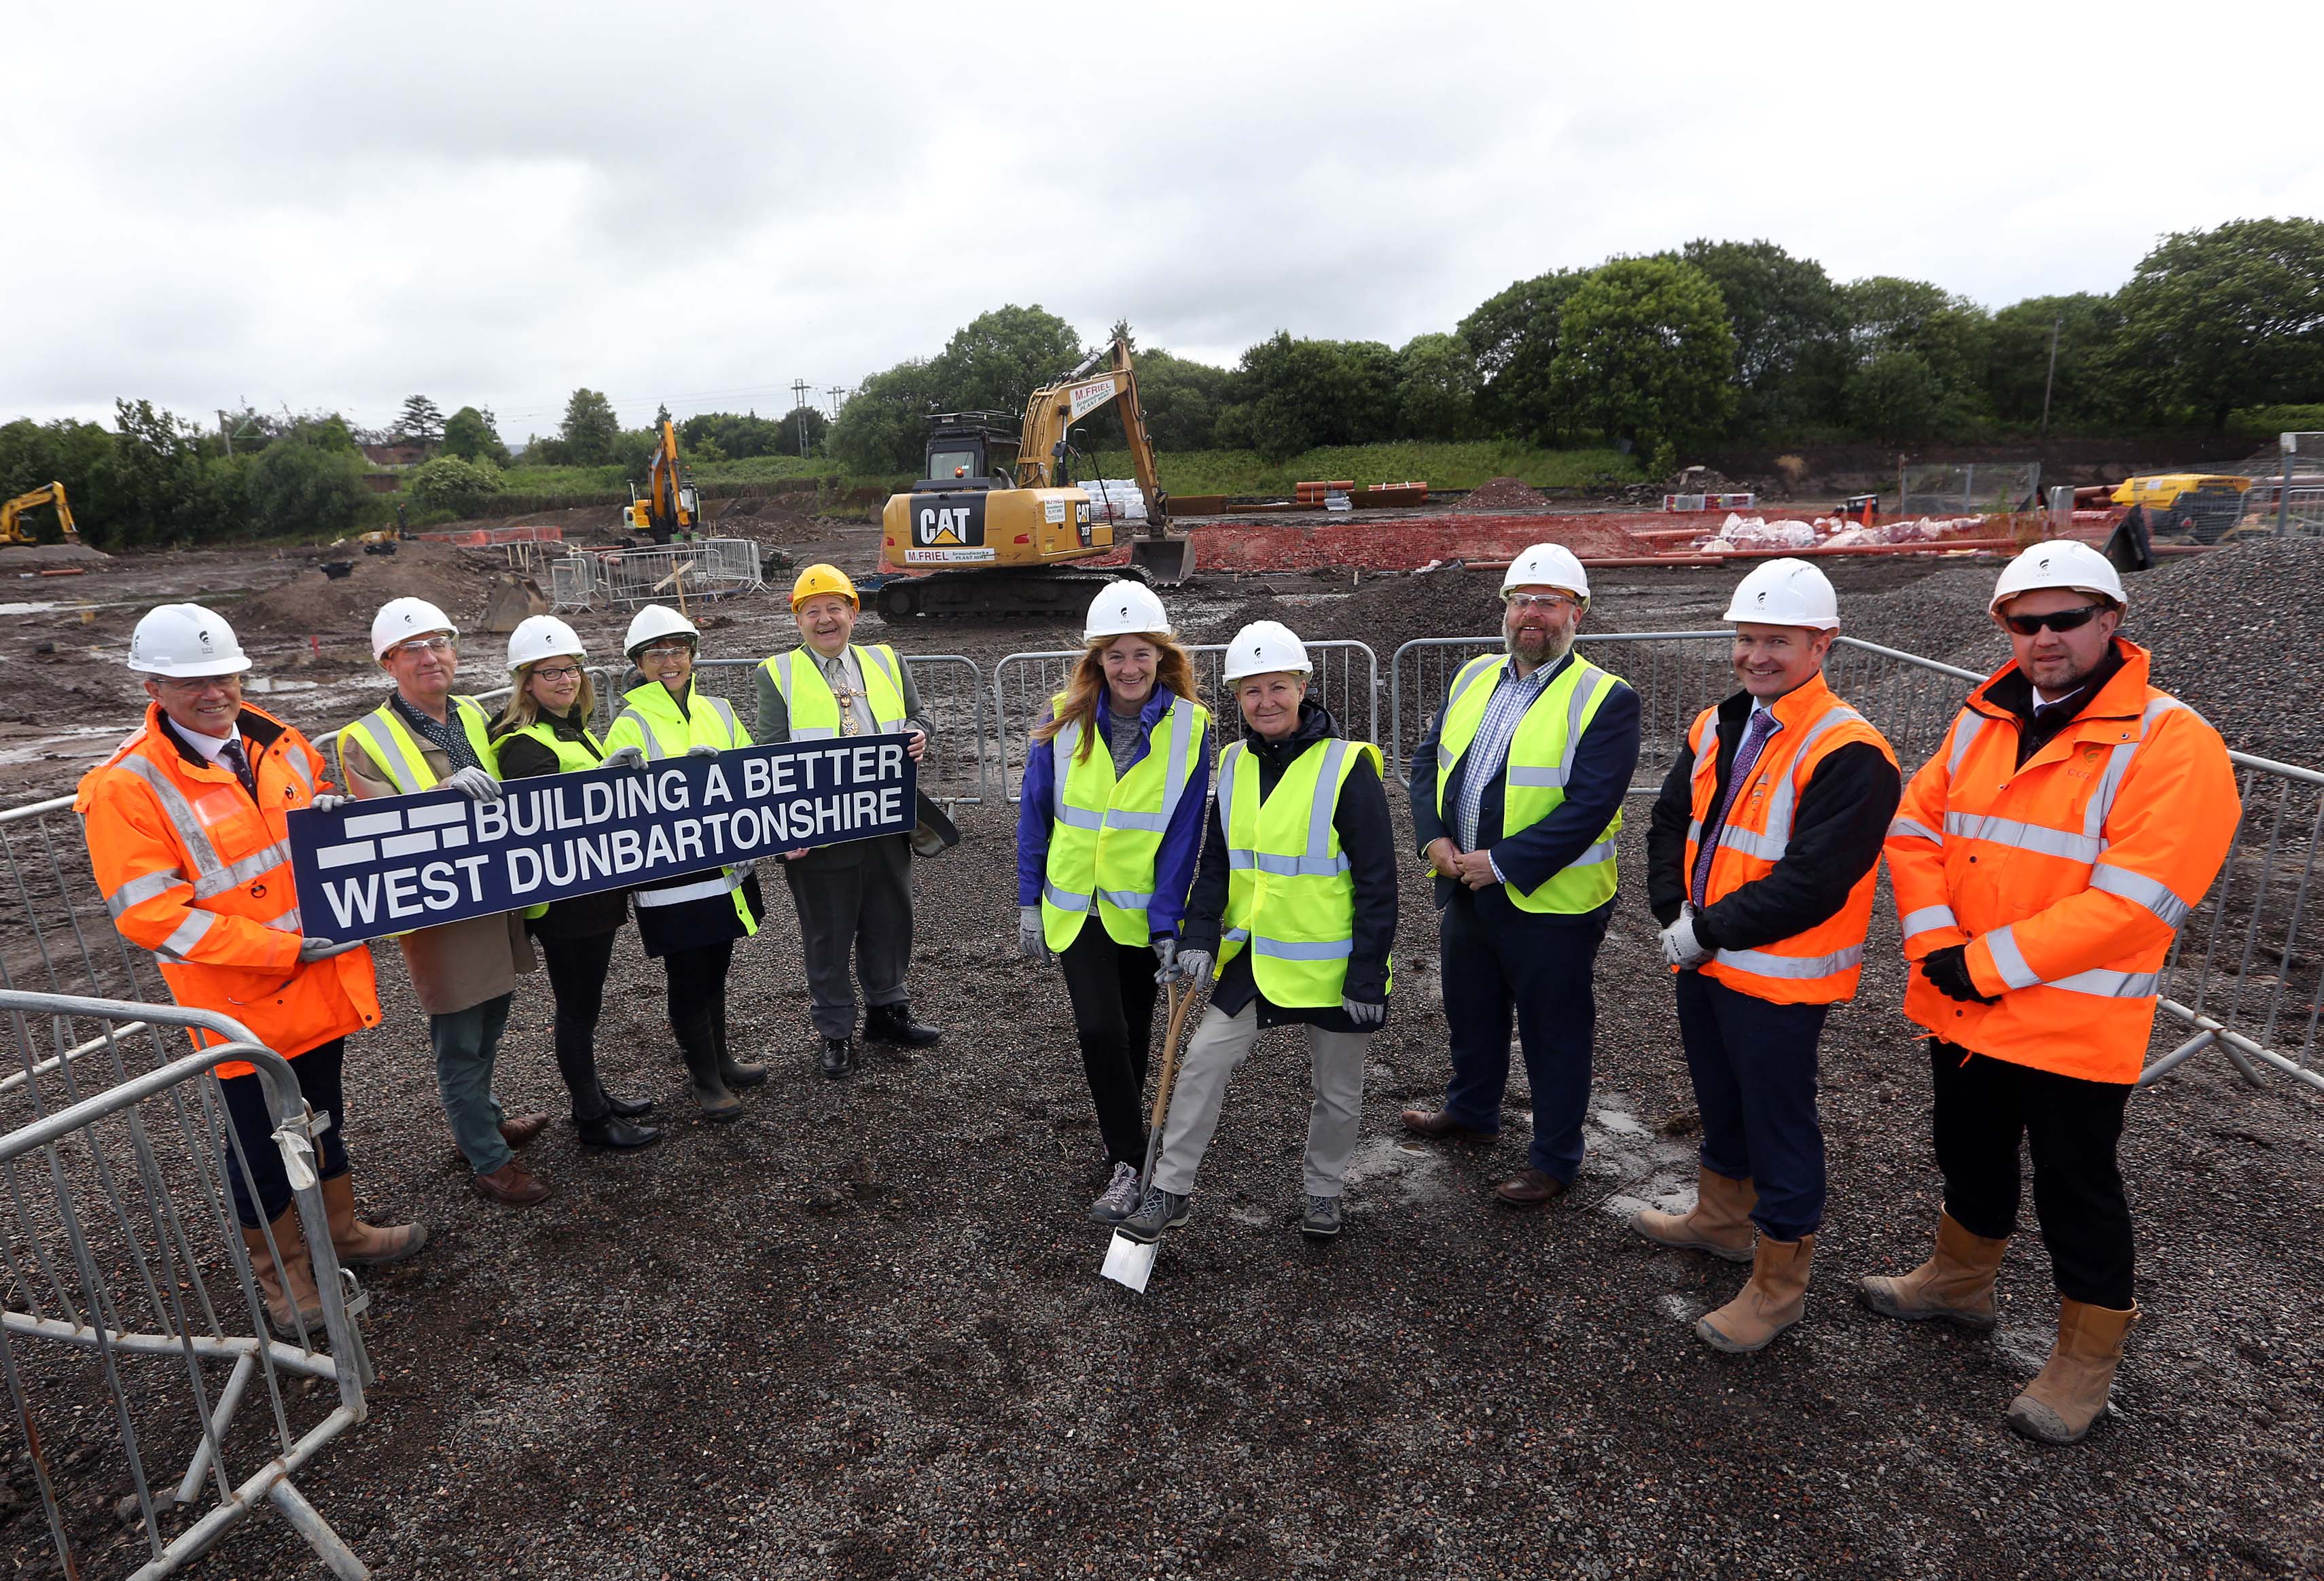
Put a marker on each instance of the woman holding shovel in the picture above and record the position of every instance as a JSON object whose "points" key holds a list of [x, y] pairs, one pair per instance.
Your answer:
{"points": [[1296, 904], [1107, 837]]}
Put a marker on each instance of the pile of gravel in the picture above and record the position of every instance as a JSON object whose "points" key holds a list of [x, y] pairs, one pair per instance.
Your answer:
{"points": [[2233, 632]]}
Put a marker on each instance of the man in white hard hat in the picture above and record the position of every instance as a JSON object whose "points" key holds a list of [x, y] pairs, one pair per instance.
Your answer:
{"points": [[2043, 860], [1516, 799], [1761, 864], [188, 831], [420, 737]]}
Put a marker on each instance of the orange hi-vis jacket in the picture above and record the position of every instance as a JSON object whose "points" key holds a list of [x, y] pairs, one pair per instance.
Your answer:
{"points": [[2068, 878], [195, 872], [1820, 965]]}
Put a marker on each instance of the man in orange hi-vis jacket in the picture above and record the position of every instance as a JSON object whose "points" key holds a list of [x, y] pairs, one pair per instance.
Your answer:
{"points": [[2042, 861]]}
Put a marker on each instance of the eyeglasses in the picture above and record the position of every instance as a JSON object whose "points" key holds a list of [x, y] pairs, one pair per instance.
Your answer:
{"points": [[665, 650], [1542, 601], [194, 686], [425, 645], [562, 672], [2057, 620]]}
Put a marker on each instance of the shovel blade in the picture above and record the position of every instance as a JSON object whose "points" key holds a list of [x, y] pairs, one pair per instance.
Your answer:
{"points": [[1129, 1262]]}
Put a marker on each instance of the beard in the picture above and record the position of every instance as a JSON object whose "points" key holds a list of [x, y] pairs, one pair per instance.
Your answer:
{"points": [[1545, 649]]}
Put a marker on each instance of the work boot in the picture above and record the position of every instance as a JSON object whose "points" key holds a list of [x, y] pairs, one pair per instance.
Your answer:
{"points": [[358, 1243], [1956, 1283], [893, 1023], [1119, 1200], [2059, 1406], [700, 1046], [512, 1186], [1771, 1301], [294, 1283], [616, 1131], [1321, 1222], [1162, 1210], [838, 1057], [734, 1072], [1720, 1222]]}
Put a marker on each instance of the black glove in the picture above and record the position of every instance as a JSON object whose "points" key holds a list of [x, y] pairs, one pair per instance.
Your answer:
{"points": [[1948, 972]]}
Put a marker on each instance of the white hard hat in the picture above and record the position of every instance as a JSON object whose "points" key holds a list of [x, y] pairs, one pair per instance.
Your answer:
{"points": [[542, 636], [398, 618], [1786, 592], [1549, 565], [655, 620], [1124, 609], [2062, 562], [1263, 647], [185, 641]]}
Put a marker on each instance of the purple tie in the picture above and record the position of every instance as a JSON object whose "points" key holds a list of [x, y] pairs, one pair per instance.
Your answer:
{"points": [[1755, 736]]}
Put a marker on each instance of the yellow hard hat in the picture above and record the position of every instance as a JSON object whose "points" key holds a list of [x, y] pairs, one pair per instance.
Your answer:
{"points": [[820, 578]]}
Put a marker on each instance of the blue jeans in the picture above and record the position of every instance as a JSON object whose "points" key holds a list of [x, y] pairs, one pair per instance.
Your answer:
{"points": [[466, 1042], [1539, 967], [1754, 1067]]}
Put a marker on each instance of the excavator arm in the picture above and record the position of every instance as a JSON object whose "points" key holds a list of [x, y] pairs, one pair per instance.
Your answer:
{"points": [[1106, 376], [12, 512]]}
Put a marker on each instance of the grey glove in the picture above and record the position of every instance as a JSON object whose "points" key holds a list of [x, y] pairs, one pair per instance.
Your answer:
{"points": [[702, 749], [1030, 941], [314, 948], [1165, 950], [1367, 1017], [1680, 947], [1190, 965], [329, 802], [474, 782], [625, 757]]}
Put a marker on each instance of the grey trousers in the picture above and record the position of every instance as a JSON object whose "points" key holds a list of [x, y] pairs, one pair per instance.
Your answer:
{"points": [[854, 902], [466, 1043], [1220, 1044]]}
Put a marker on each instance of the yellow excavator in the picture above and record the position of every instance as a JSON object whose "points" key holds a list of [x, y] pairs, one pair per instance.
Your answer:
{"points": [[12, 513], [668, 508], [996, 516]]}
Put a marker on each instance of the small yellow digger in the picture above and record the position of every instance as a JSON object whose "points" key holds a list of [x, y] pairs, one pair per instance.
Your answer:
{"points": [[12, 513]]}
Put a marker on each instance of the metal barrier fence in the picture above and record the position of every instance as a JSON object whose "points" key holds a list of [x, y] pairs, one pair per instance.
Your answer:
{"points": [[714, 568], [130, 1287], [1346, 681]]}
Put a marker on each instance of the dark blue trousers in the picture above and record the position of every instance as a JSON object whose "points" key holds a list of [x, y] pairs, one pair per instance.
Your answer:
{"points": [[1498, 960], [1754, 1066]]}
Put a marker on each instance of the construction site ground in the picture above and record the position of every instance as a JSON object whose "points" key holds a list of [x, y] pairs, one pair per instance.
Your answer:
{"points": [[862, 1334]]}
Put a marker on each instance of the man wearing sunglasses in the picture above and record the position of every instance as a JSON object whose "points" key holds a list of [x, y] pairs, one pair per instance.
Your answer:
{"points": [[2042, 861]]}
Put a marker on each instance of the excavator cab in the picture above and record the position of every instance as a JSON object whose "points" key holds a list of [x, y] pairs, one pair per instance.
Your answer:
{"points": [[969, 449]]}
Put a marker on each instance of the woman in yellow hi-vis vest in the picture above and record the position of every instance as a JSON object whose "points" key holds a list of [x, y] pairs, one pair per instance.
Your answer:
{"points": [[689, 922], [1107, 836], [1295, 904], [465, 973]]}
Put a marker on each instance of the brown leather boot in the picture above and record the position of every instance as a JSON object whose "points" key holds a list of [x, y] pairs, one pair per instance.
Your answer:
{"points": [[1771, 1302], [1956, 1283], [2059, 1406], [358, 1243], [294, 1283], [1720, 1222]]}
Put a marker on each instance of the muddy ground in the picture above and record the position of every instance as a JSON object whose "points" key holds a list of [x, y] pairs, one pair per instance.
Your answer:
{"points": [[863, 1334]]}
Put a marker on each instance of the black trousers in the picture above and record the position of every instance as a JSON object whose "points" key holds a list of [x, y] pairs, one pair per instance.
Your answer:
{"points": [[1113, 989], [1753, 1064], [697, 994], [318, 1071], [576, 965], [854, 904], [1984, 1107]]}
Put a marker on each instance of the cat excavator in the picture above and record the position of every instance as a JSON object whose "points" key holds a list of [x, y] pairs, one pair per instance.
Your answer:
{"points": [[12, 513], [996, 517]]}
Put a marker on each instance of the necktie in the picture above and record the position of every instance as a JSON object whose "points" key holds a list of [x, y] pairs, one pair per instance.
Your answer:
{"points": [[231, 756], [835, 670], [1747, 753]]}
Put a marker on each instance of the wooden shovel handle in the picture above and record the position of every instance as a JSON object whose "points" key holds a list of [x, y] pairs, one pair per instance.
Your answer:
{"points": [[1180, 1001]]}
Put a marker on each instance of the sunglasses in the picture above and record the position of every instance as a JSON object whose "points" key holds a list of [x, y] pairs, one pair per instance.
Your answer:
{"points": [[2057, 620]]}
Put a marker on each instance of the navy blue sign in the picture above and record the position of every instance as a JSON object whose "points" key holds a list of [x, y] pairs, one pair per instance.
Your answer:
{"points": [[399, 862]]}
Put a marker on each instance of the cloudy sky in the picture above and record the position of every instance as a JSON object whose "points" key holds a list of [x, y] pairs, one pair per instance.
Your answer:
{"points": [[312, 207]]}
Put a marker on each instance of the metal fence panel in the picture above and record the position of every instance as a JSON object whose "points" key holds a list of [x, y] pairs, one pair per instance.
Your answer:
{"points": [[713, 568], [1346, 681]]}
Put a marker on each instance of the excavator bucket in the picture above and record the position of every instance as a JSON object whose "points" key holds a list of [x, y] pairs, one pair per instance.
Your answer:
{"points": [[1167, 561]]}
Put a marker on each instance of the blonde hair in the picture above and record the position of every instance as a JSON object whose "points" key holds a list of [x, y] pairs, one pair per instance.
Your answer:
{"points": [[521, 711], [1173, 671]]}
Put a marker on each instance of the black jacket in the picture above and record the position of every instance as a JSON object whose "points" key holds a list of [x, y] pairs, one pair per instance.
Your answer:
{"points": [[1842, 817], [521, 757], [1366, 839]]}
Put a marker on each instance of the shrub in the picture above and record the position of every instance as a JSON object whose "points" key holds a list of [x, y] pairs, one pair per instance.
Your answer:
{"points": [[451, 484], [295, 487]]}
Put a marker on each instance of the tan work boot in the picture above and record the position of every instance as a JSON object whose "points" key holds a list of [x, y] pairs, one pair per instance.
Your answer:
{"points": [[1956, 1283], [1720, 1222], [2059, 1406], [294, 1283], [358, 1243], [1771, 1302]]}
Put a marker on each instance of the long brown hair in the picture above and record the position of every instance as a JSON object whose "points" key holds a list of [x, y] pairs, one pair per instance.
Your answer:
{"points": [[520, 710], [1085, 688]]}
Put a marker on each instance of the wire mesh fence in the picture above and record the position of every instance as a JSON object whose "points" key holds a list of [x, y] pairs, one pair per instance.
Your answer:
{"points": [[709, 568], [1970, 488]]}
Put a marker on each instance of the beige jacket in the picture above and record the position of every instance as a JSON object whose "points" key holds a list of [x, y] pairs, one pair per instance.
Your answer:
{"points": [[456, 966]]}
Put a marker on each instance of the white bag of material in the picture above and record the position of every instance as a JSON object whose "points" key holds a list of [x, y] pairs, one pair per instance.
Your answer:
{"points": [[1114, 499], [1761, 534]]}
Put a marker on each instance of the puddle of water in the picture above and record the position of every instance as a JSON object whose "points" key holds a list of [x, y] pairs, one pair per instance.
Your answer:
{"points": [[264, 685], [66, 744], [44, 608]]}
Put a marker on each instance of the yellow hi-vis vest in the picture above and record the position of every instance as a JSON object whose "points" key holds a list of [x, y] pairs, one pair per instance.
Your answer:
{"points": [[1541, 759], [1105, 834], [1290, 895], [572, 756], [402, 757], [815, 712], [650, 721]]}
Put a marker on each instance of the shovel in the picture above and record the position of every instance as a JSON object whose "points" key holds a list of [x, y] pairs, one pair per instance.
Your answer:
{"points": [[1127, 1263]]}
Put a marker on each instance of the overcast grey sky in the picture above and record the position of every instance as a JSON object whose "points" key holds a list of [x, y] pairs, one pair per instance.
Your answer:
{"points": [[306, 205]]}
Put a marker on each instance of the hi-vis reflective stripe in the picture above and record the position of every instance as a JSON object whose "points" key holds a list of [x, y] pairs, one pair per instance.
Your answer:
{"points": [[1904, 829], [1126, 900], [382, 747], [726, 883], [2010, 962], [2025, 837], [1289, 866], [296, 761], [1064, 899], [257, 865], [136, 891], [1319, 858], [1760, 964], [1966, 730], [1769, 844], [1330, 949], [1928, 919], [187, 934], [1180, 718], [1601, 852], [180, 814], [2140, 890]]}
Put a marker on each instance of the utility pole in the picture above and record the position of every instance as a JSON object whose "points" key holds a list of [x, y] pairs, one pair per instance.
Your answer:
{"points": [[225, 432], [799, 403], [2051, 381], [835, 392]]}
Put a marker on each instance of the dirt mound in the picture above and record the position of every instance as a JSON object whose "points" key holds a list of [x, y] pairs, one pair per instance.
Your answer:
{"points": [[1503, 494], [313, 604]]}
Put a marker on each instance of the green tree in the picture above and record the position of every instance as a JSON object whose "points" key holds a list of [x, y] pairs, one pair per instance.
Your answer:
{"points": [[1514, 337], [294, 486], [591, 433], [814, 423], [748, 434], [1897, 398], [1790, 326], [1644, 353], [79, 454], [2226, 318], [421, 423], [156, 479], [2017, 362], [883, 429], [1951, 333], [1293, 395], [1437, 388], [1182, 398], [452, 483], [996, 359], [472, 436]]}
